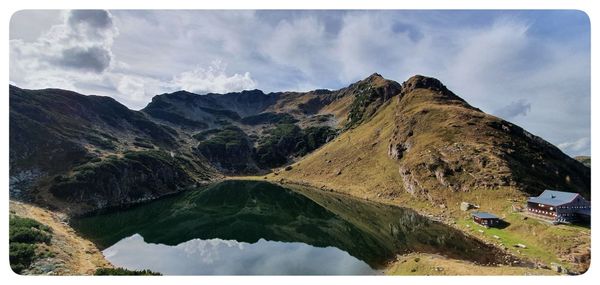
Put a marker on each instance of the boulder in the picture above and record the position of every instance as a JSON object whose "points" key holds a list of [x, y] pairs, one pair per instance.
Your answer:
{"points": [[556, 267], [465, 206]]}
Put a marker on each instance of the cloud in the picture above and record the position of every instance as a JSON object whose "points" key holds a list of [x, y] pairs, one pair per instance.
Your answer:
{"points": [[74, 51], [94, 59], [576, 147], [94, 19], [213, 80], [230, 257], [515, 108], [527, 58]]}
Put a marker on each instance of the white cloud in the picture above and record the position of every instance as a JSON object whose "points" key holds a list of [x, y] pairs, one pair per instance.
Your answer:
{"points": [[577, 147], [230, 257], [499, 61], [213, 79]]}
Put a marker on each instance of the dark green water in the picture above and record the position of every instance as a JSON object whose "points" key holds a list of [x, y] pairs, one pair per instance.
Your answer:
{"points": [[249, 227]]}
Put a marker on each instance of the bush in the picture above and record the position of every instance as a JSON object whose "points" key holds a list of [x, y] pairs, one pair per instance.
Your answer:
{"points": [[24, 233], [269, 118], [123, 271], [28, 235], [289, 140], [21, 255]]}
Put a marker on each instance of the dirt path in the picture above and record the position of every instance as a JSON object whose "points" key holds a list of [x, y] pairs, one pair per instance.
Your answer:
{"points": [[73, 255]]}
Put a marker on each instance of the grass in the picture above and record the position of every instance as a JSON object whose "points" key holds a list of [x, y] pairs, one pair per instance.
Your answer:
{"points": [[509, 239], [356, 163], [24, 235], [123, 271], [430, 264]]}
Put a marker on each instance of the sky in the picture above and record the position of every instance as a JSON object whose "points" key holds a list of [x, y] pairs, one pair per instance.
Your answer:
{"points": [[530, 67], [230, 257]]}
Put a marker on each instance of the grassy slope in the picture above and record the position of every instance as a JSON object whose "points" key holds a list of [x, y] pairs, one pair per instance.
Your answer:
{"points": [[430, 264], [357, 163], [72, 255]]}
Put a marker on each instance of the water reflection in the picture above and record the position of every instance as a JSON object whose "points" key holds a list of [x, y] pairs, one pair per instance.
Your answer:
{"points": [[226, 257], [251, 212]]}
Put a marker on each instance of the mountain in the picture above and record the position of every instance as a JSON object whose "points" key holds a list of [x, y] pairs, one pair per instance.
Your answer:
{"points": [[430, 143], [88, 152], [585, 160]]}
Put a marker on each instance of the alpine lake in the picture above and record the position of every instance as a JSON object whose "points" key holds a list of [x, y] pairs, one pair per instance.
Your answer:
{"points": [[259, 228]]}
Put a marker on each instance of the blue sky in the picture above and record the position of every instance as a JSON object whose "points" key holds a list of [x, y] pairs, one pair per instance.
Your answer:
{"points": [[529, 67]]}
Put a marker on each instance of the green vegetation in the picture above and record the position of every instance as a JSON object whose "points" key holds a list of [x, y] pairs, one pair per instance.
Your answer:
{"points": [[104, 143], [123, 271], [24, 234], [140, 142], [229, 148], [156, 173], [175, 118], [290, 140], [205, 134], [269, 118]]}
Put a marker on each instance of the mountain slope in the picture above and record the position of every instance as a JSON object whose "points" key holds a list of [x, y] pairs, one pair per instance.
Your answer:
{"points": [[74, 146], [430, 142], [417, 138], [429, 150]]}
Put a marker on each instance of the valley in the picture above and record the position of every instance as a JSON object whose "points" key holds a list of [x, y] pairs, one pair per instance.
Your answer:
{"points": [[376, 143]]}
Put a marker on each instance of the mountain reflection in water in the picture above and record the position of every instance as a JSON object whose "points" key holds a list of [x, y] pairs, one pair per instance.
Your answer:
{"points": [[278, 221], [227, 257]]}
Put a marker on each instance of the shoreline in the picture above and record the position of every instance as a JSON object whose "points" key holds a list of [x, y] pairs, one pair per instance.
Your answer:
{"points": [[73, 254], [85, 257]]}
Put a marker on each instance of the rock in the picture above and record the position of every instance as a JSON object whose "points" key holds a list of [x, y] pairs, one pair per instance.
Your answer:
{"points": [[496, 237], [556, 267], [520, 245], [465, 206], [288, 168], [443, 206], [481, 231], [339, 172]]}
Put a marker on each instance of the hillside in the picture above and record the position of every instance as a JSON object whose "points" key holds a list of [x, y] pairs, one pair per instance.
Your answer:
{"points": [[417, 138], [428, 149], [585, 160], [415, 144], [80, 153]]}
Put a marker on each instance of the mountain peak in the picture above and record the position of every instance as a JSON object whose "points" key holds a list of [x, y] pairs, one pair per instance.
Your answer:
{"points": [[420, 81]]}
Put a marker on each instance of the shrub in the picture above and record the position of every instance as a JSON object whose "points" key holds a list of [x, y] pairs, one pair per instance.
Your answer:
{"points": [[24, 233], [21, 255], [123, 271]]}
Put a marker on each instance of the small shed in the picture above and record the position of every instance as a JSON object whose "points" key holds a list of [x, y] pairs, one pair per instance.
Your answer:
{"points": [[485, 219]]}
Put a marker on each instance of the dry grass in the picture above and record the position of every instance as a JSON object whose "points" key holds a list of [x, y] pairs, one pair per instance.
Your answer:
{"points": [[430, 264], [357, 163], [77, 255]]}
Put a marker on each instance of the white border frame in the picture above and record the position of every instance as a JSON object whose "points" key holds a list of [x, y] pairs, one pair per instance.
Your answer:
{"points": [[10, 7]]}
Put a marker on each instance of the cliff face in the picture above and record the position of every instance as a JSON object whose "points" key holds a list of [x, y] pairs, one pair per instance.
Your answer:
{"points": [[441, 142]]}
